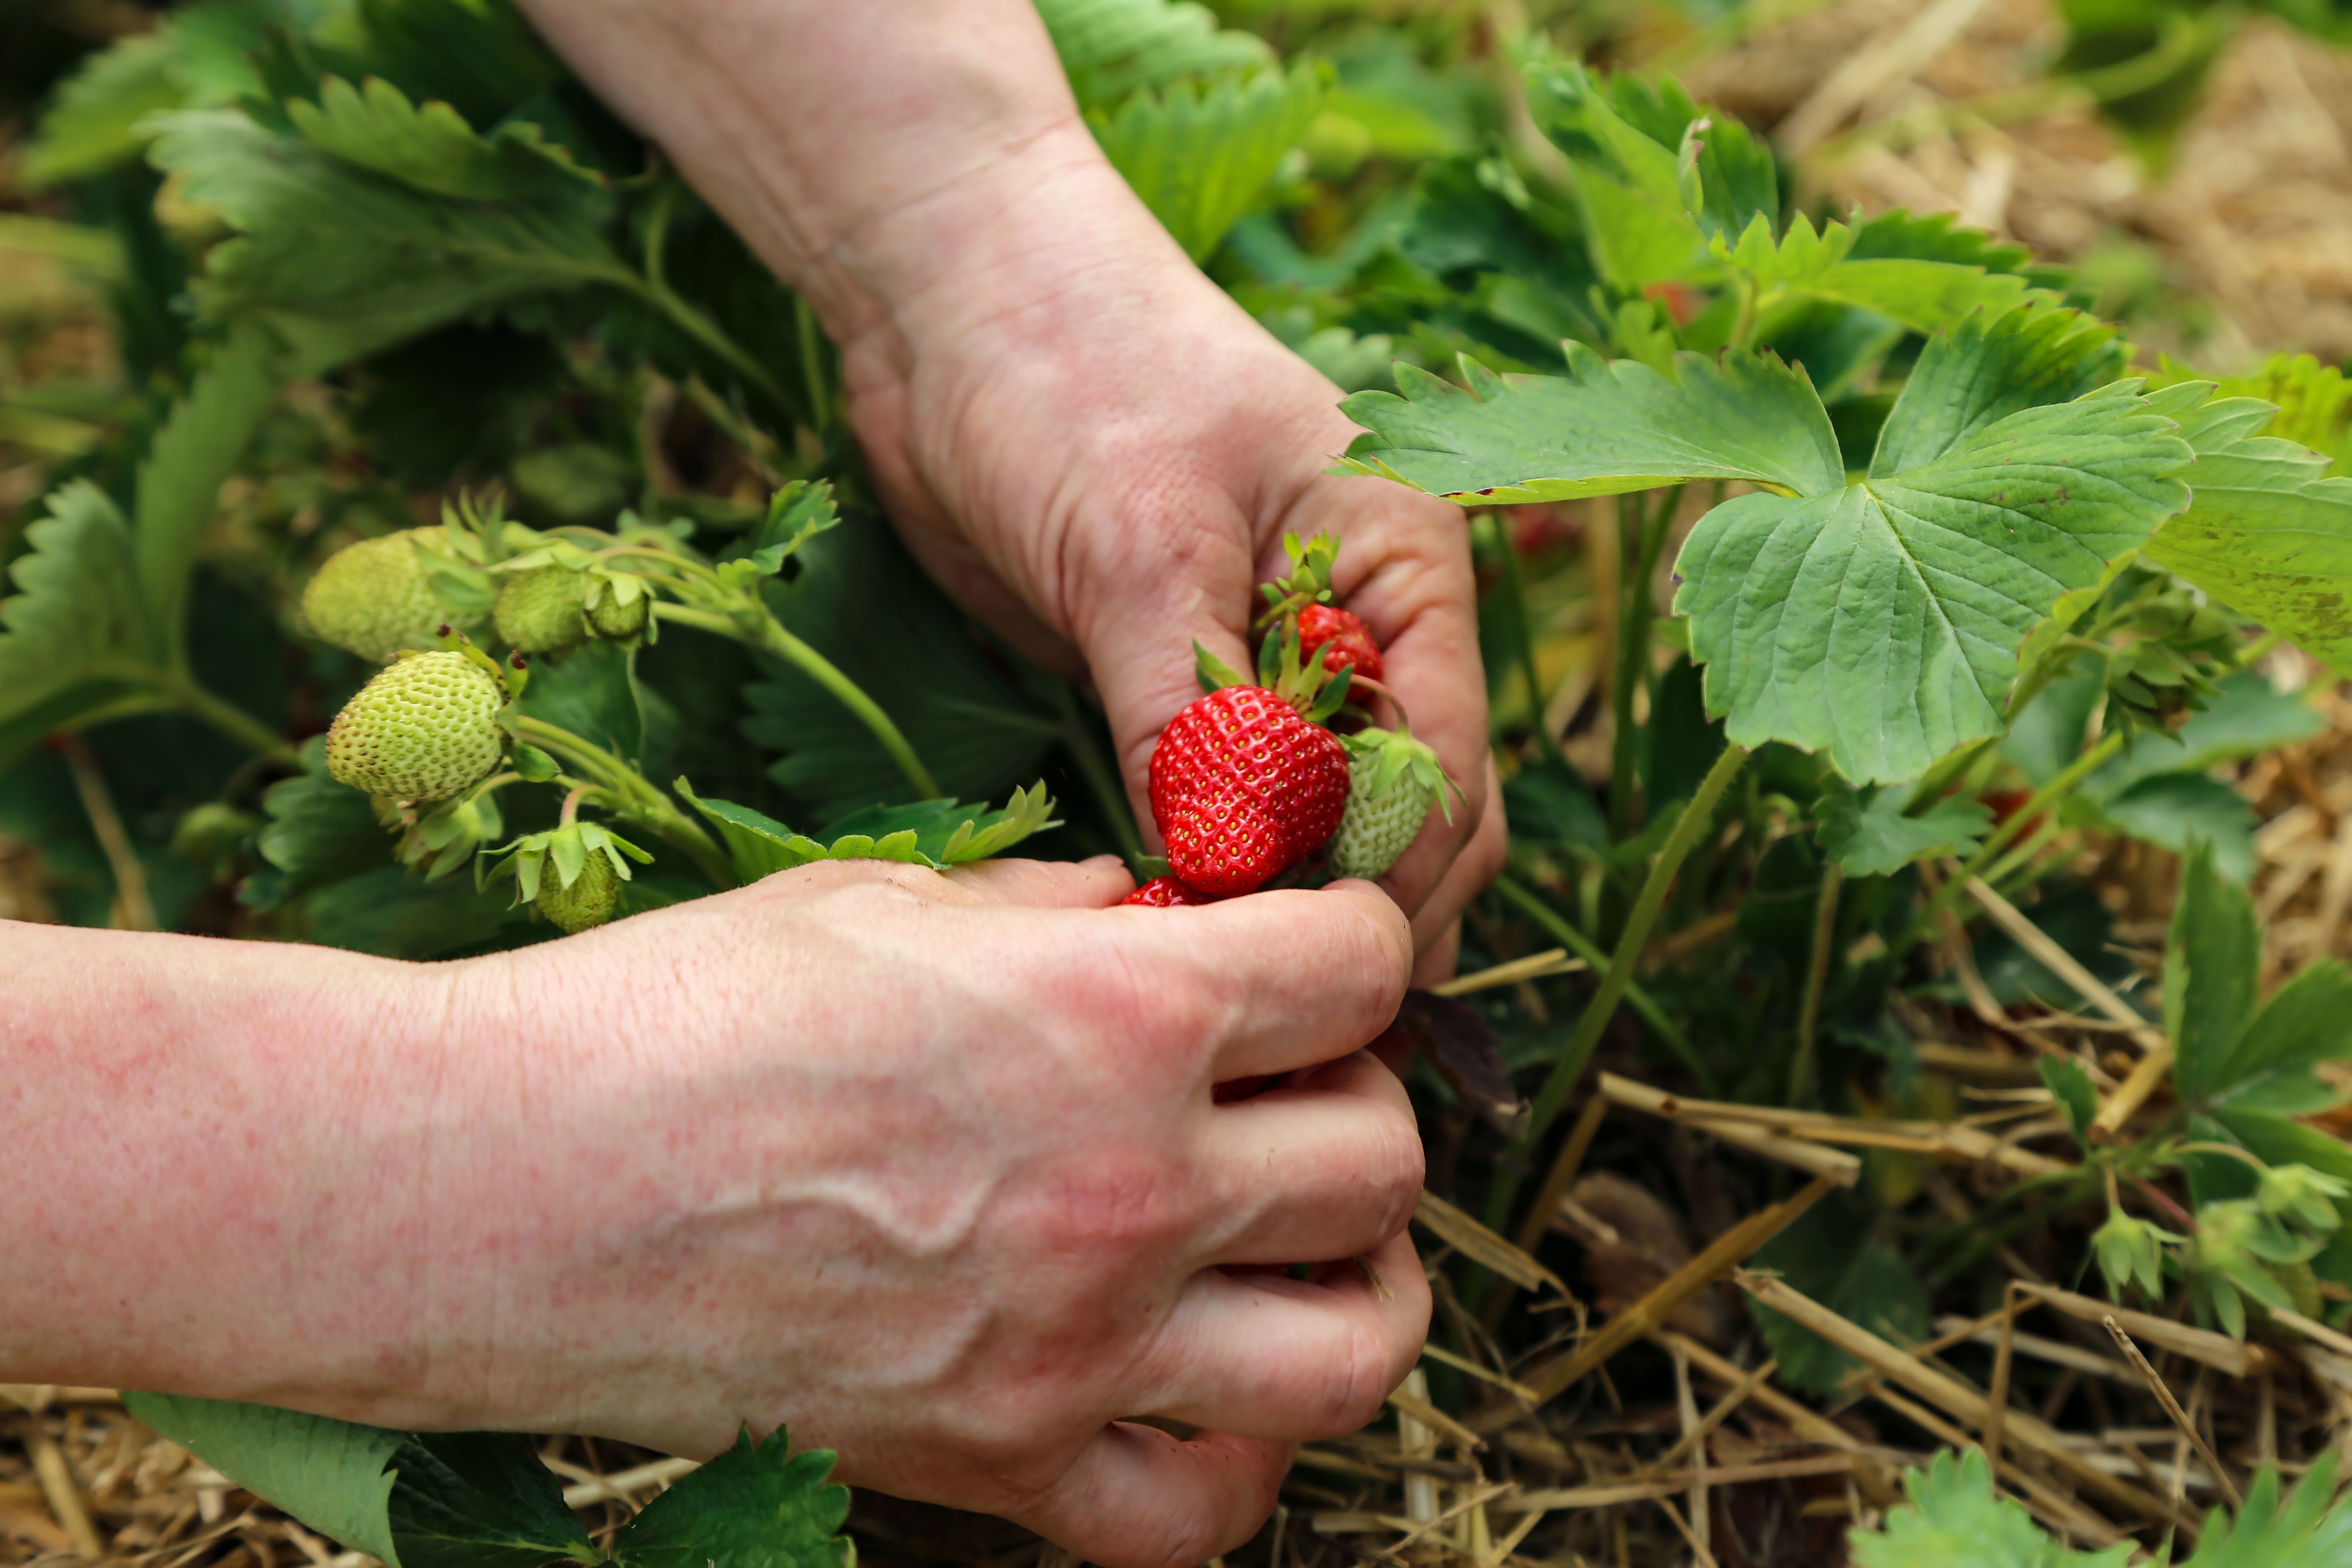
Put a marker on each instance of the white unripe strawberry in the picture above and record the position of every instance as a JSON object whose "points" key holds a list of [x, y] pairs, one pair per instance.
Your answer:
{"points": [[1392, 781], [425, 729], [375, 598]]}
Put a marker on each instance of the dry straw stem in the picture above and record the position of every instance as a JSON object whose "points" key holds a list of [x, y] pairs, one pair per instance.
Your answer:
{"points": [[1563, 1172], [1406, 1403], [1534, 966], [1648, 1489], [2057, 1353], [2063, 964], [1949, 1141], [2156, 1385], [1725, 1252], [1875, 1480], [2044, 1501], [1949, 1395], [2219, 1352], [1474, 1241], [2145, 1079], [662, 1474]]}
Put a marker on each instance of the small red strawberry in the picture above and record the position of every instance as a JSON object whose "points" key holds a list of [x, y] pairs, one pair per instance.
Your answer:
{"points": [[1168, 893], [1342, 632], [1245, 785]]}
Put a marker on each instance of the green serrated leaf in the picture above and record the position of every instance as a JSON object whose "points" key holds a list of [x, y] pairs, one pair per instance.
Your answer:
{"points": [[78, 636], [93, 124], [480, 1499], [1602, 429], [1988, 367], [757, 843], [1954, 1519], [2309, 1532], [329, 1474], [2269, 532], [319, 831], [2269, 1068], [1111, 47], [429, 148], [755, 1506], [344, 256], [796, 514], [1881, 625], [2076, 1096], [1875, 838], [1200, 154], [197, 448], [2212, 962]]}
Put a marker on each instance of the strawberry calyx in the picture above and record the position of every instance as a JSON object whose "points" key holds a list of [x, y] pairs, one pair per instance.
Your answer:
{"points": [[1395, 757], [1308, 582], [1314, 689]]}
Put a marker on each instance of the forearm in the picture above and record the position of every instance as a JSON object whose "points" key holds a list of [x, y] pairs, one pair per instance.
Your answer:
{"points": [[206, 1142], [867, 153]]}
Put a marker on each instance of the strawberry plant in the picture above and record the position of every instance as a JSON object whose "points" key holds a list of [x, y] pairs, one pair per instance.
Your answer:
{"points": [[491, 518]]}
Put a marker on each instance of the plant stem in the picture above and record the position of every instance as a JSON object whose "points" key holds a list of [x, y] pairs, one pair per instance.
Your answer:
{"points": [[1695, 817], [1809, 1015], [1640, 1000], [2060, 785], [633, 794], [706, 331], [1515, 588], [1637, 555], [223, 716], [769, 636]]}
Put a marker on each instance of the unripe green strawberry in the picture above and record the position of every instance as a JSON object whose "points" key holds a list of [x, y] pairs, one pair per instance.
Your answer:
{"points": [[425, 729], [375, 598], [588, 901], [616, 621], [590, 852], [539, 610], [1392, 781]]}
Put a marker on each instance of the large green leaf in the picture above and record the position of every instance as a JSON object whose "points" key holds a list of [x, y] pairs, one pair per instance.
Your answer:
{"points": [[480, 1499], [198, 447], [331, 1475], [754, 1506], [380, 219], [2212, 964], [78, 636], [1955, 1519], [1881, 624], [2269, 534], [1879, 621], [1110, 48], [2270, 1068], [934, 833], [321, 830], [1200, 154], [1603, 429]]}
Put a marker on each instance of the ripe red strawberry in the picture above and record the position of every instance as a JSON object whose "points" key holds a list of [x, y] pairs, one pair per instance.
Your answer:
{"points": [[1342, 631], [1167, 893], [1244, 788]]}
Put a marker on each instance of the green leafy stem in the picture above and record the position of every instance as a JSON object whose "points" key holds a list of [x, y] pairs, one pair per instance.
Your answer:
{"points": [[628, 794]]}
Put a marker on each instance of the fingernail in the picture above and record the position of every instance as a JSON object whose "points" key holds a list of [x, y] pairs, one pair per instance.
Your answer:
{"points": [[1093, 861]]}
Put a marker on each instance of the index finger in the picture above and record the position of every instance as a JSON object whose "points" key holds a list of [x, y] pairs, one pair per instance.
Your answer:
{"points": [[1285, 980]]}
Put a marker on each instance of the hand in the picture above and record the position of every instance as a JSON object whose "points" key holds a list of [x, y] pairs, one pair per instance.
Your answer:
{"points": [[925, 1167], [1084, 439], [1099, 453]]}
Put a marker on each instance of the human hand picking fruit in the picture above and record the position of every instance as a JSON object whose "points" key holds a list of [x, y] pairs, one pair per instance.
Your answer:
{"points": [[1247, 783]]}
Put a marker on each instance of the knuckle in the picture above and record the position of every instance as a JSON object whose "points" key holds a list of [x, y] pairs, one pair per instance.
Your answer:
{"points": [[1118, 1205], [1358, 1386]]}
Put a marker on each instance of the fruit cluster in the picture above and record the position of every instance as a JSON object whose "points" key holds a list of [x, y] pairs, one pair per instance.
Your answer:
{"points": [[1251, 780]]}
